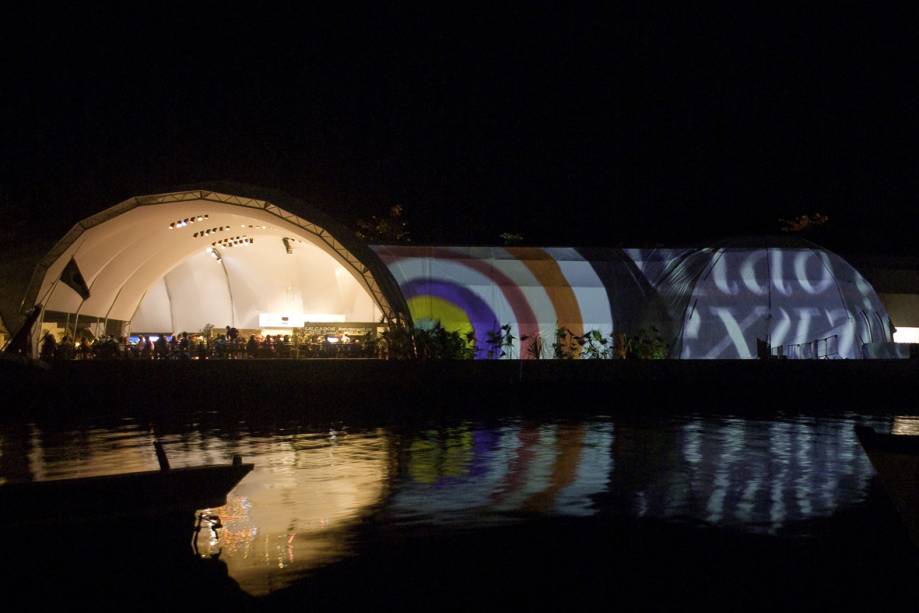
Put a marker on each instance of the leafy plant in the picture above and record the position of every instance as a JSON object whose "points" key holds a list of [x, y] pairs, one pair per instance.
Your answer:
{"points": [[566, 346], [536, 347], [622, 345], [398, 340], [441, 344], [495, 340], [507, 341], [594, 346], [648, 344], [390, 229], [803, 223], [207, 331], [403, 342], [472, 344]]}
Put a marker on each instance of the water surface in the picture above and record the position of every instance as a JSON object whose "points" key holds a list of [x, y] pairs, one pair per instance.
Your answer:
{"points": [[318, 491]]}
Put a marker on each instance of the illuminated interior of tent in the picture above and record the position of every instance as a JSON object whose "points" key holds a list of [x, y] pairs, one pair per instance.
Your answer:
{"points": [[169, 267]]}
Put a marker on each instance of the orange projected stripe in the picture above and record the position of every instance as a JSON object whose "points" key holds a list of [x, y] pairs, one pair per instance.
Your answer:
{"points": [[550, 276]]}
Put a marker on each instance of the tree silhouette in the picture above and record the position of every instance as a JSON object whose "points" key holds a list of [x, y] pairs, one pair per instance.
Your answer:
{"points": [[390, 229]]}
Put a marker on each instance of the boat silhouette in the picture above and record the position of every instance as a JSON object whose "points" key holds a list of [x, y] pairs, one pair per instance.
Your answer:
{"points": [[149, 494], [895, 457]]}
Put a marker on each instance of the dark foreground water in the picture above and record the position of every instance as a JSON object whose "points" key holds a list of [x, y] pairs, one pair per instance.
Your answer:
{"points": [[733, 512]]}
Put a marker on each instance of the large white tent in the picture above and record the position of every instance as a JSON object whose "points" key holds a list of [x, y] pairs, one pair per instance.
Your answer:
{"points": [[180, 260], [177, 261]]}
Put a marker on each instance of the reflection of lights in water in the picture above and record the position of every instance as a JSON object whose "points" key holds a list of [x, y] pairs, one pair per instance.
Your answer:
{"points": [[545, 469], [290, 513], [906, 425], [294, 511]]}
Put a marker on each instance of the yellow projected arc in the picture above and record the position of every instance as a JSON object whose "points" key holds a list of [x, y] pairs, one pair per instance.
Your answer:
{"points": [[432, 308]]}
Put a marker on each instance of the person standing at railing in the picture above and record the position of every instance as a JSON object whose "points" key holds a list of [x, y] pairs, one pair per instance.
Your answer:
{"points": [[48, 348], [160, 348]]}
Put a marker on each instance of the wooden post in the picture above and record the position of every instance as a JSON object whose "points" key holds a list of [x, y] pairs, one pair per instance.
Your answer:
{"points": [[161, 455]]}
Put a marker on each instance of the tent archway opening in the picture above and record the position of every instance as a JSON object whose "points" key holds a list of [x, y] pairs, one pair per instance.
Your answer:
{"points": [[175, 262]]}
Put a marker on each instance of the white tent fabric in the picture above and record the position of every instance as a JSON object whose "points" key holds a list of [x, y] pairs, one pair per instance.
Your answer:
{"points": [[248, 281], [145, 263], [805, 301], [148, 261], [707, 303]]}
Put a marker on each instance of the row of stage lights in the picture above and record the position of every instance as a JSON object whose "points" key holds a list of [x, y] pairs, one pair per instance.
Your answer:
{"points": [[232, 242], [211, 231], [224, 229], [186, 222]]}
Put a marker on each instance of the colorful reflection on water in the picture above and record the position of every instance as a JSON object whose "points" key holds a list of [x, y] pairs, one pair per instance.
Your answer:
{"points": [[313, 489]]}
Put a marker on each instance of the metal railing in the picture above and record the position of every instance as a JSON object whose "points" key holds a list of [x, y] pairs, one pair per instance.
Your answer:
{"points": [[826, 348]]}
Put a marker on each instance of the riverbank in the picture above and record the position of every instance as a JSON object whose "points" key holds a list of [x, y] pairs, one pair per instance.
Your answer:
{"points": [[377, 388]]}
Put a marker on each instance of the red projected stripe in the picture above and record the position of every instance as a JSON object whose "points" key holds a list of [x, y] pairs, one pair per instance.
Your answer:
{"points": [[523, 313]]}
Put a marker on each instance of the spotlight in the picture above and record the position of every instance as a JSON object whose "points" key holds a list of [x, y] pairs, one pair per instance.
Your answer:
{"points": [[287, 246]]}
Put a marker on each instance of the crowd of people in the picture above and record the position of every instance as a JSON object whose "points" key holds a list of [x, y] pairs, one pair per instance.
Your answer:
{"points": [[229, 345]]}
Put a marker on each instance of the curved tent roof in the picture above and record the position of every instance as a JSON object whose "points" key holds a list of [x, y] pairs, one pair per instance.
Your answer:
{"points": [[535, 290], [147, 259], [124, 250], [708, 302], [785, 290]]}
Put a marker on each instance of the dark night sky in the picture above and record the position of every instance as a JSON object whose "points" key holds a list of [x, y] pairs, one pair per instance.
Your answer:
{"points": [[631, 127]]}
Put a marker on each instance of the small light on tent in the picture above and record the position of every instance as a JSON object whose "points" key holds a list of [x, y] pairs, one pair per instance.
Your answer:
{"points": [[287, 246], [172, 226]]}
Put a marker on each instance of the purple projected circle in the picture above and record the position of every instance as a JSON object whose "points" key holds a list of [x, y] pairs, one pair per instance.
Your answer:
{"points": [[480, 315]]}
